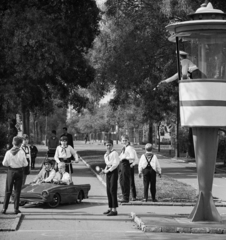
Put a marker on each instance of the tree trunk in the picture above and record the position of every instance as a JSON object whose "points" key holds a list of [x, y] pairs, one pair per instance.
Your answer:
{"points": [[150, 132], [158, 138], [26, 121]]}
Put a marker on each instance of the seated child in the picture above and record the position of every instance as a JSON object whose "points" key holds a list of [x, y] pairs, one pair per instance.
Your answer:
{"points": [[62, 177], [46, 174]]}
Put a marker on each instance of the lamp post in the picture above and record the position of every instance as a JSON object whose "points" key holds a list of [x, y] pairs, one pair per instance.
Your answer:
{"points": [[202, 96]]}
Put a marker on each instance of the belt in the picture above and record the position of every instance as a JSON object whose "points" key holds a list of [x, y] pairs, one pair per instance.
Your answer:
{"points": [[66, 160], [16, 169], [125, 161]]}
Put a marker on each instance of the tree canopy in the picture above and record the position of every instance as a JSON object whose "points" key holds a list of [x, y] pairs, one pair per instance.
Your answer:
{"points": [[43, 51]]}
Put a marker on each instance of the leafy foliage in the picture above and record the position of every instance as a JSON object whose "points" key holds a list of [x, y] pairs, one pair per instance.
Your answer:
{"points": [[43, 46]]}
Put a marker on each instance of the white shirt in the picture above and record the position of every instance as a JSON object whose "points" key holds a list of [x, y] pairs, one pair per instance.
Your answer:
{"points": [[65, 153], [111, 160], [27, 151], [65, 178], [129, 154], [15, 161], [41, 176], [154, 164]]}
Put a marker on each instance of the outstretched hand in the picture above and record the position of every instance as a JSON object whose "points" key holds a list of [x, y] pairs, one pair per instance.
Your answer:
{"points": [[161, 82]]}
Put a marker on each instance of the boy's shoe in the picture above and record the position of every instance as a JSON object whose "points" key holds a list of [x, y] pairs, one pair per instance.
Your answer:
{"points": [[17, 211], [154, 200], [145, 200], [113, 213], [134, 199], [107, 212], [123, 200], [3, 211]]}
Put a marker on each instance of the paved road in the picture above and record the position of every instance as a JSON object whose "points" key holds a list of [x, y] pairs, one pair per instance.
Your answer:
{"points": [[86, 221]]}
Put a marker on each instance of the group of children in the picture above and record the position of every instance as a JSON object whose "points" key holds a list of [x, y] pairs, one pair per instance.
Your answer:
{"points": [[122, 166]]}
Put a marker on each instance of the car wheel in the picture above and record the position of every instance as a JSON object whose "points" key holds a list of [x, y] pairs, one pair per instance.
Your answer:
{"points": [[55, 202], [80, 197]]}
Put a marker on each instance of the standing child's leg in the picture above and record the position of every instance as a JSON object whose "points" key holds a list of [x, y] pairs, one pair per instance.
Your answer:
{"points": [[153, 184], [17, 186], [8, 188], [146, 181]]}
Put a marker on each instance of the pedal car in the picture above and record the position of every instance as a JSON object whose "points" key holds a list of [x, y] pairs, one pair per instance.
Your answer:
{"points": [[53, 194]]}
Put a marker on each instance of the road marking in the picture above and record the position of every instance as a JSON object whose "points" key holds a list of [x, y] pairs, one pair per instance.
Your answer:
{"points": [[85, 230]]}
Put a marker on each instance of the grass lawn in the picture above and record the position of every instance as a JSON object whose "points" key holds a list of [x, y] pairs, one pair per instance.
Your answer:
{"points": [[168, 189]]}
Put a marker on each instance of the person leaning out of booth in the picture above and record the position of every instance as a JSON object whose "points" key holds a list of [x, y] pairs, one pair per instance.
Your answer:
{"points": [[64, 153], [188, 70], [62, 177], [149, 166]]}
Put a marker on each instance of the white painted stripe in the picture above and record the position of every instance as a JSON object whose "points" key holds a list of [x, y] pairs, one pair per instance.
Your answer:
{"points": [[203, 116], [77, 230], [202, 91]]}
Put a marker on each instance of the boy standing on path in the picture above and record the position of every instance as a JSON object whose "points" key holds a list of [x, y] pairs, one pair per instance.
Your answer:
{"points": [[111, 159], [27, 152], [149, 166], [15, 160], [52, 144], [34, 152], [126, 170]]}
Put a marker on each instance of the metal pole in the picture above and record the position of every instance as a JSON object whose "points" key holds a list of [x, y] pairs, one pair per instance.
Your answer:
{"points": [[178, 101]]}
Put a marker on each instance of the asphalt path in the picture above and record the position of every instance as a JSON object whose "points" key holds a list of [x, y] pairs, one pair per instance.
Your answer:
{"points": [[86, 220]]}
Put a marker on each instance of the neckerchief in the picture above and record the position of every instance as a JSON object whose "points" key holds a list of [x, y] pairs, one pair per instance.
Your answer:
{"points": [[63, 149], [124, 148], [46, 175], [107, 154], [14, 150]]}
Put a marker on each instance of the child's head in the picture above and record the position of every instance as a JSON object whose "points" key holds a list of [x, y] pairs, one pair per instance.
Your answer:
{"points": [[148, 147], [125, 140], [25, 139], [63, 141], [17, 141]]}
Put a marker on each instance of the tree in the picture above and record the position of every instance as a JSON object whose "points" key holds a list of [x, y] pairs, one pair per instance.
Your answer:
{"points": [[43, 46]]}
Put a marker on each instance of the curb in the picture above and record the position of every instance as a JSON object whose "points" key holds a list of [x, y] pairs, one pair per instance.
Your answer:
{"points": [[174, 204], [14, 225], [175, 229], [184, 204]]}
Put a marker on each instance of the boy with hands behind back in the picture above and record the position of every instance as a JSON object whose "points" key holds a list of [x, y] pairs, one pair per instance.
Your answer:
{"points": [[149, 166]]}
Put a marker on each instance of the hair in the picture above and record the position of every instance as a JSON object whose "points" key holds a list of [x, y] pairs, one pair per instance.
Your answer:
{"points": [[25, 137], [61, 164], [48, 161], [17, 141], [125, 137], [54, 131], [148, 147], [63, 138], [109, 141], [183, 56], [65, 128]]}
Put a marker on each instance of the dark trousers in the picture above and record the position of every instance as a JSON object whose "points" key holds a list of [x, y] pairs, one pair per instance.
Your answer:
{"points": [[13, 179], [132, 183], [149, 178], [33, 163], [124, 178], [112, 187]]}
